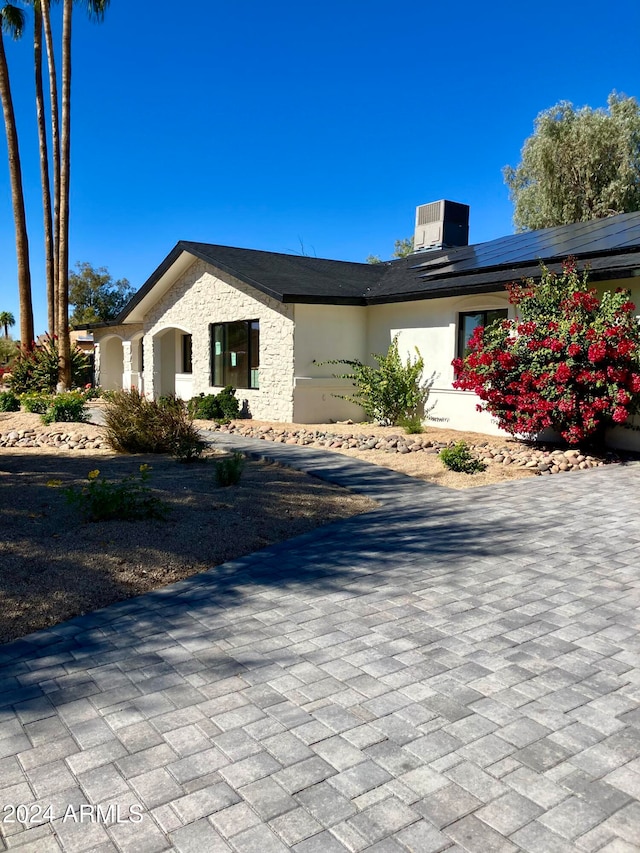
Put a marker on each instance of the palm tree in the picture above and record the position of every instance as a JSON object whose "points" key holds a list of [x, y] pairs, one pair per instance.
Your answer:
{"points": [[40, 16], [12, 23], [7, 319], [96, 9]]}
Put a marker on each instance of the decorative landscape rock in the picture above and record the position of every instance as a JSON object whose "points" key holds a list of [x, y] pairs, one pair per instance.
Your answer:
{"points": [[52, 437], [541, 459]]}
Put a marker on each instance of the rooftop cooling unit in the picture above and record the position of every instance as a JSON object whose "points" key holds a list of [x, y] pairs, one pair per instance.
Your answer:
{"points": [[441, 224]]}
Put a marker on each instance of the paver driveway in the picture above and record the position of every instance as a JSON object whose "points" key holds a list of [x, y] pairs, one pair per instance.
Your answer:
{"points": [[454, 671]]}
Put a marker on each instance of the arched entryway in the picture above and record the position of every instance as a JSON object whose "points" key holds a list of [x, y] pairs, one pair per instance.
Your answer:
{"points": [[173, 374], [110, 363]]}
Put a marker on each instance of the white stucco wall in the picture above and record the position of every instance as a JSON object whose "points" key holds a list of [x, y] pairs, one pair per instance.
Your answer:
{"points": [[324, 332], [431, 325], [200, 297]]}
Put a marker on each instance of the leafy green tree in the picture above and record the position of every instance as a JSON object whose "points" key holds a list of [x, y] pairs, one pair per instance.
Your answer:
{"points": [[12, 23], [7, 319], [402, 248], [8, 350], [578, 165], [96, 297]]}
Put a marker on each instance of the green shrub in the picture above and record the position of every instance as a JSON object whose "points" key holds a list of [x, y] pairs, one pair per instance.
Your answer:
{"points": [[9, 402], [229, 470], [126, 500], [35, 403], [68, 407], [412, 424], [170, 401], [460, 458], [37, 369], [92, 392], [137, 425], [392, 390], [222, 407]]}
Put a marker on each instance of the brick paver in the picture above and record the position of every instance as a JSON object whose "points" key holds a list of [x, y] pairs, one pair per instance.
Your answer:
{"points": [[452, 671]]}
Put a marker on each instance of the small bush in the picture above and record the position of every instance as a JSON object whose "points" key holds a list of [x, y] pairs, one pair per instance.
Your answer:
{"points": [[68, 407], [391, 391], [126, 500], [412, 424], [229, 470], [222, 407], [9, 402], [37, 369], [92, 392], [137, 425], [35, 403], [460, 458]]}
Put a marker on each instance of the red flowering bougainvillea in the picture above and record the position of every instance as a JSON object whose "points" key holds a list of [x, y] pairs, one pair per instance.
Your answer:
{"points": [[569, 361]]}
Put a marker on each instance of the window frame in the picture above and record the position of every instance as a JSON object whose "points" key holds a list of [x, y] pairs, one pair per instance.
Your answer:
{"points": [[460, 348], [186, 353], [252, 337]]}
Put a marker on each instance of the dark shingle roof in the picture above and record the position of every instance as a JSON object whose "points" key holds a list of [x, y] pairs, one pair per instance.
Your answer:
{"points": [[611, 247], [292, 278]]}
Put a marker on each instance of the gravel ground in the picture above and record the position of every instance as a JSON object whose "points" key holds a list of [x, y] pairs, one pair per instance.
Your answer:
{"points": [[54, 565]]}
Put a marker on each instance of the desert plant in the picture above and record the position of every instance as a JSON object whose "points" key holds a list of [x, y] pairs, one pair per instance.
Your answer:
{"points": [[35, 402], [92, 392], [137, 425], [66, 407], [411, 424], [9, 402], [391, 391], [37, 369], [128, 499], [460, 458], [229, 470], [222, 407]]}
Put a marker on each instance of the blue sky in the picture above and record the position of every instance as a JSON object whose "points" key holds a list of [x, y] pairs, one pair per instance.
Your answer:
{"points": [[314, 126]]}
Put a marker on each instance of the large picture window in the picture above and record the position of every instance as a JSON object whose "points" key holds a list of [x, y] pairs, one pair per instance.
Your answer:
{"points": [[470, 320], [235, 354]]}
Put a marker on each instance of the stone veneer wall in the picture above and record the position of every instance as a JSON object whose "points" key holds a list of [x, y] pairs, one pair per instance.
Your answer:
{"points": [[200, 297]]}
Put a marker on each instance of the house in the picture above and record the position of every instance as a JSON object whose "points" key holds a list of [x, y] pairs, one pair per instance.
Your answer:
{"points": [[267, 323]]}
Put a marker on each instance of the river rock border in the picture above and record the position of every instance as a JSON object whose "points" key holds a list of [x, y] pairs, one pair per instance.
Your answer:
{"points": [[56, 438], [540, 459]]}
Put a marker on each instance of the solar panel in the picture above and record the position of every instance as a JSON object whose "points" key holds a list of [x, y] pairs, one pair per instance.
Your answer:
{"points": [[598, 235]]}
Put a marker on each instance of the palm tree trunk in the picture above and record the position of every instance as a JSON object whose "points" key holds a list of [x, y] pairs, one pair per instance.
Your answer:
{"points": [[44, 169], [64, 346], [17, 198], [55, 144]]}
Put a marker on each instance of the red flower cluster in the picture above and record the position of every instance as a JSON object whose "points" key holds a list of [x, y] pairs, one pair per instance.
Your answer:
{"points": [[571, 362]]}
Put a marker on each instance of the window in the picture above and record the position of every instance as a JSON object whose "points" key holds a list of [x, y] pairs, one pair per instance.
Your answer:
{"points": [[186, 354], [235, 354], [470, 320]]}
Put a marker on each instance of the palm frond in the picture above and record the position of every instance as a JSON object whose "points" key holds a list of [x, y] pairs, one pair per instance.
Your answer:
{"points": [[12, 20], [96, 8]]}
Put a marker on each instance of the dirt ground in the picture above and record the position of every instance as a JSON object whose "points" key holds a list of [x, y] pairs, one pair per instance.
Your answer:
{"points": [[425, 466], [54, 565]]}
